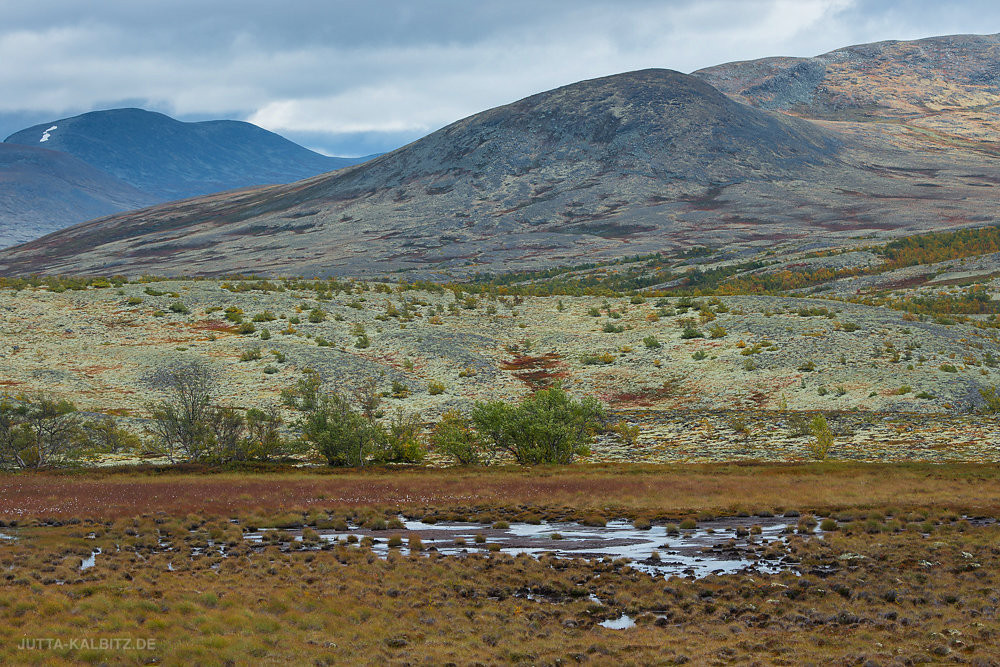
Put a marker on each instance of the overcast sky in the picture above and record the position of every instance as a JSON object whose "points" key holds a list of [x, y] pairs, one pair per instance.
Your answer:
{"points": [[351, 78]]}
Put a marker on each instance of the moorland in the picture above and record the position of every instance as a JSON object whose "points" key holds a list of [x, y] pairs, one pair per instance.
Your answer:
{"points": [[649, 369]]}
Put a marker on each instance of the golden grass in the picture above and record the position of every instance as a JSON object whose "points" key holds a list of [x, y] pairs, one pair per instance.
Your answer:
{"points": [[875, 590], [918, 598]]}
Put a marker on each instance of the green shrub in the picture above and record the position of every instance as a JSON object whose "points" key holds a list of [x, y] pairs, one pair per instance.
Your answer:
{"points": [[246, 328], [717, 331], [547, 427], [178, 307], [400, 442], [453, 437], [822, 442], [134, 300], [597, 359], [266, 316], [610, 327], [251, 354], [991, 400], [699, 355], [798, 425], [651, 342], [317, 315], [265, 334], [341, 434], [399, 389], [690, 332], [434, 387], [949, 368]]}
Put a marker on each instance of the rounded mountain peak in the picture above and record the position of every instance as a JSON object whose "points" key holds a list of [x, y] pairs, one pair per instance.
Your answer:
{"points": [[654, 123]]}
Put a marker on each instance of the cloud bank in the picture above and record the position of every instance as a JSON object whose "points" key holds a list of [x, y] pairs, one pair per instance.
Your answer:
{"points": [[353, 78]]}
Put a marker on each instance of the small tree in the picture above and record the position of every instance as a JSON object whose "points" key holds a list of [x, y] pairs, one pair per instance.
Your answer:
{"points": [[341, 434], [226, 429], [401, 442], [264, 439], [188, 426], [305, 394], [822, 438], [181, 423], [547, 427], [103, 434], [453, 436], [367, 397], [38, 432]]}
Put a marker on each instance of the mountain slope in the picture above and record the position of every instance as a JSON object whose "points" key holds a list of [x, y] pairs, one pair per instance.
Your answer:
{"points": [[945, 84], [631, 163], [43, 190], [171, 159]]}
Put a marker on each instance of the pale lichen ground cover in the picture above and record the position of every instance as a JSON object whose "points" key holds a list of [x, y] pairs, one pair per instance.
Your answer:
{"points": [[879, 375]]}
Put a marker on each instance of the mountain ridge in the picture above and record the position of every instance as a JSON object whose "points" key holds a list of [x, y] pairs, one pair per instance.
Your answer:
{"points": [[638, 162], [172, 159], [146, 158]]}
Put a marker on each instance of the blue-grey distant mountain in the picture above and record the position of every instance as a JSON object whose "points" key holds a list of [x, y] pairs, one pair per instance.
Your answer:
{"points": [[170, 159], [43, 190]]}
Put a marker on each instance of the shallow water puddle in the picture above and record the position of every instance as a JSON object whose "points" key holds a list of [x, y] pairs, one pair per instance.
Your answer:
{"points": [[719, 546], [623, 622], [90, 561]]}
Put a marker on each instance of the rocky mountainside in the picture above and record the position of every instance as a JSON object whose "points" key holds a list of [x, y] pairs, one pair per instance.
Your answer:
{"points": [[940, 84], [39, 186], [632, 163], [171, 160]]}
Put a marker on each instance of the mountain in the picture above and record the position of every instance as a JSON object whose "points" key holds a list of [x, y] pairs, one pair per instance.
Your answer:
{"points": [[170, 159], [945, 84], [633, 163], [38, 186]]}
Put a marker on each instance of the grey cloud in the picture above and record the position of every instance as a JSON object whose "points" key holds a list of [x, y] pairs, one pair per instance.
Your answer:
{"points": [[352, 77]]}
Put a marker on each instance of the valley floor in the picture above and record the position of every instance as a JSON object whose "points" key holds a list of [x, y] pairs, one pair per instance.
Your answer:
{"points": [[904, 570]]}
